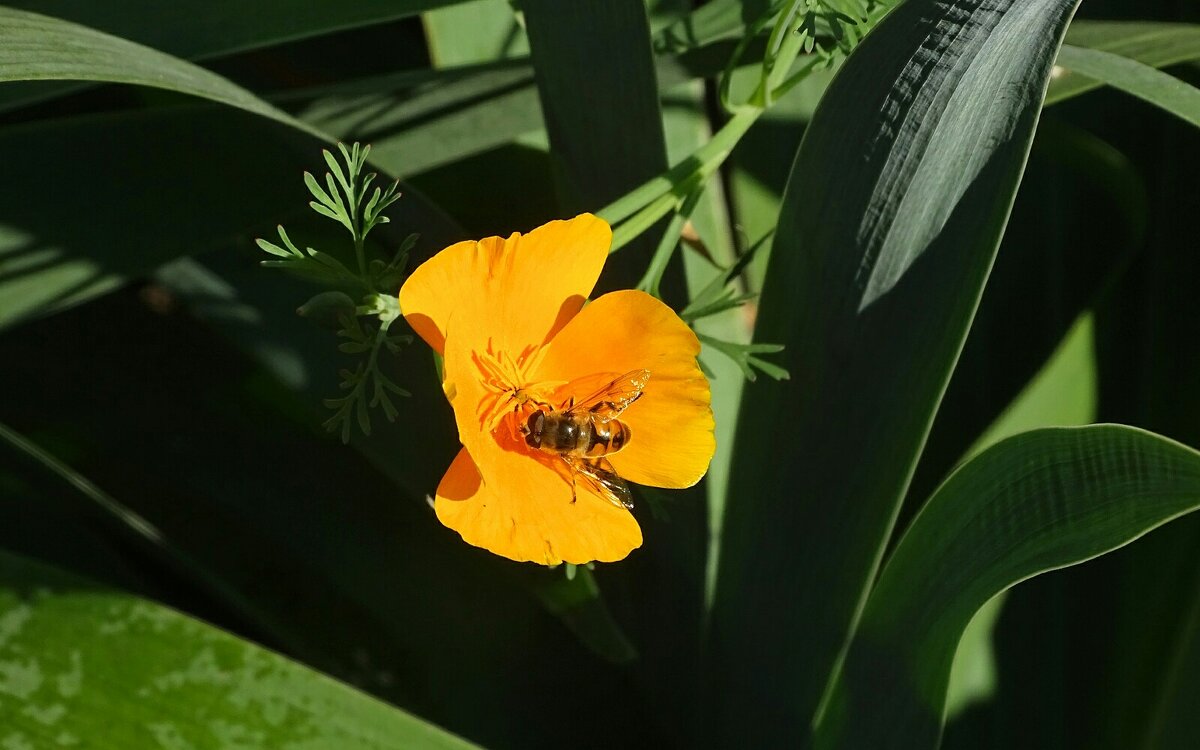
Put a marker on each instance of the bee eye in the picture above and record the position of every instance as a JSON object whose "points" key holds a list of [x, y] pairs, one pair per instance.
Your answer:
{"points": [[533, 429]]}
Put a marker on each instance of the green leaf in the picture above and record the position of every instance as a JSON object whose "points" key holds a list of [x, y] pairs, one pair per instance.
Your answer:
{"points": [[1062, 394], [1033, 503], [198, 29], [595, 74], [443, 119], [1143, 81], [871, 287], [34, 47], [1086, 653], [1118, 688], [252, 184], [474, 32], [1158, 45], [687, 124], [421, 120], [719, 19], [81, 661]]}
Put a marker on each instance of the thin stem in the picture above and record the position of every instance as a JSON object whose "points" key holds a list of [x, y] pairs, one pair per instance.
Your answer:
{"points": [[380, 335], [782, 48], [642, 220], [803, 72], [128, 518], [652, 200], [670, 240], [703, 161], [360, 253]]}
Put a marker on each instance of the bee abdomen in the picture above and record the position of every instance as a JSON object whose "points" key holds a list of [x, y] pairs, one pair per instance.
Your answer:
{"points": [[606, 437]]}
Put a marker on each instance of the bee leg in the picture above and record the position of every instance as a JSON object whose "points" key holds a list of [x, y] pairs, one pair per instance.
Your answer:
{"points": [[573, 472]]}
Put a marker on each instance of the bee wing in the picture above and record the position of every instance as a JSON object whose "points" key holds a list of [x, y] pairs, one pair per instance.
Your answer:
{"points": [[599, 474], [613, 397]]}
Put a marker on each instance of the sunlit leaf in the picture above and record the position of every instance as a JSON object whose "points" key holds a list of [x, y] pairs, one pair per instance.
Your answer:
{"points": [[34, 47], [82, 662], [1033, 503], [871, 286]]}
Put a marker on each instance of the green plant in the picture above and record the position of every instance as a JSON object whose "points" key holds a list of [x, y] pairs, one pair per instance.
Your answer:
{"points": [[348, 199], [961, 280]]}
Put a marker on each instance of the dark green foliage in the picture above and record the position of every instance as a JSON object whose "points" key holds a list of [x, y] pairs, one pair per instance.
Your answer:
{"points": [[161, 432]]}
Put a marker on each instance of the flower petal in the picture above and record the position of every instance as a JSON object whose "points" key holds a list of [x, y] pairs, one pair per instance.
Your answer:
{"points": [[524, 512], [518, 291], [672, 441], [501, 495]]}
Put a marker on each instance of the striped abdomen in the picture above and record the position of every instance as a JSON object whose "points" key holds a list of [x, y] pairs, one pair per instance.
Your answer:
{"points": [[583, 435]]}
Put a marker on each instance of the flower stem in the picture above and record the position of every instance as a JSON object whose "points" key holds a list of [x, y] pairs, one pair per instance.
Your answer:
{"points": [[702, 162], [361, 254], [642, 220], [639, 209], [670, 240]]}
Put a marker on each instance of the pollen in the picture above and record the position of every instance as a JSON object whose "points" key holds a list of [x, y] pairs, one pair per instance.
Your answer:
{"points": [[507, 384]]}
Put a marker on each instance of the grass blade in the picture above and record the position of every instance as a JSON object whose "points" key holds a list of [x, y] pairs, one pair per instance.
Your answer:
{"points": [[34, 47], [595, 74], [1143, 81], [1158, 45]]}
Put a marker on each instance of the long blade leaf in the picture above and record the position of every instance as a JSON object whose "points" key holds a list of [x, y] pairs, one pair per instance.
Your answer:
{"points": [[207, 28], [872, 285], [1154, 86], [1035, 502], [1158, 45], [34, 47]]}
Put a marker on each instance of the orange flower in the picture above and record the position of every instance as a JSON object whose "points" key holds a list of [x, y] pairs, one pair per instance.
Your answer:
{"points": [[508, 316]]}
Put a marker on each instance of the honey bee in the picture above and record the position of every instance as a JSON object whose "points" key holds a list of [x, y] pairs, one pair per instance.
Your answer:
{"points": [[584, 432]]}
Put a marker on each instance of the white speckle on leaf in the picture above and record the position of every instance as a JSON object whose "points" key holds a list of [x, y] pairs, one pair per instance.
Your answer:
{"points": [[203, 670], [12, 621], [48, 715], [16, 741], [169, 737], [71, 682], [237, 736], [20, 679]]}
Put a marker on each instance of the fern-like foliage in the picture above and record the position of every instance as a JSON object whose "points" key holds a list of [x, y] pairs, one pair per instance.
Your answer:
{"points": [[347, 195], [833, 28]]}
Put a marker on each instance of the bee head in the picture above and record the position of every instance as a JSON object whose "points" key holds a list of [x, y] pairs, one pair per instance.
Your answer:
{"points": [[532, 429]]}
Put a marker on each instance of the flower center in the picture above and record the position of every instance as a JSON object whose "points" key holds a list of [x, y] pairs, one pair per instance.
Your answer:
{"points": [[510, 391]]}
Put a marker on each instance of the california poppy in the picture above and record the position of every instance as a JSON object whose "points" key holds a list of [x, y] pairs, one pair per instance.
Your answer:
{"points": [[509, 318]]}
